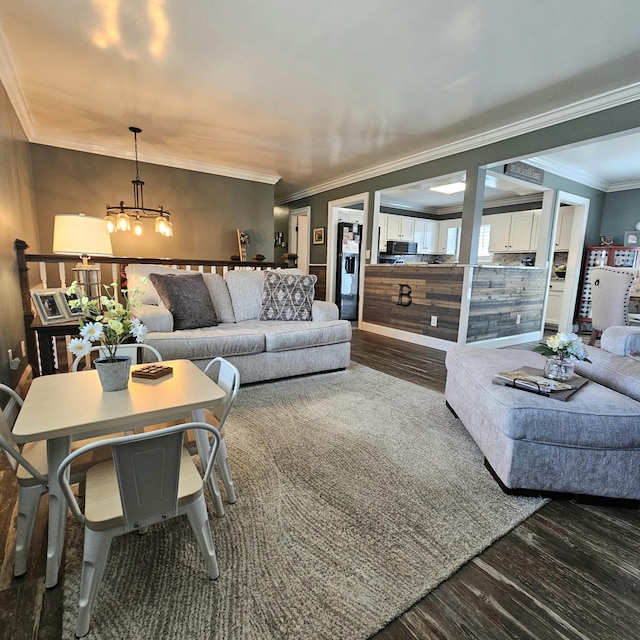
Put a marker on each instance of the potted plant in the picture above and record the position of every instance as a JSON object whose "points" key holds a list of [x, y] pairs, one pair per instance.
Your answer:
{"points": [[562, 350], [110, 323]]}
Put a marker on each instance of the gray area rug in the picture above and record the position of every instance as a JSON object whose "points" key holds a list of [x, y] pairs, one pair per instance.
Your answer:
{"points": [[357, 494]]}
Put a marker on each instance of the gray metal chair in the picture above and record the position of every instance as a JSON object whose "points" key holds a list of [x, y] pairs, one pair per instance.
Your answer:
{"points": [[150, 479], [124, 350], [610, 291]]}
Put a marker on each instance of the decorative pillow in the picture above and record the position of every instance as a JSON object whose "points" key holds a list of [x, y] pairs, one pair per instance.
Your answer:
{"points": [[188, 299], [286, 296]]}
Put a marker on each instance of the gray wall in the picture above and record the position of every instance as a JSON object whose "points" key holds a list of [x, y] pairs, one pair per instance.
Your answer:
{"points": [[621, 213], [610, 121], [205, 209], [17, 220]]}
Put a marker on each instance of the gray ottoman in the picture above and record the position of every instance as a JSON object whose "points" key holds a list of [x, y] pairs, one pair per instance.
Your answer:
{"points": [[587, 445]]}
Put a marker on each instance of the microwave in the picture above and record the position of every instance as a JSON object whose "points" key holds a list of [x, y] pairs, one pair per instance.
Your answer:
{"points": [[400, 248]]}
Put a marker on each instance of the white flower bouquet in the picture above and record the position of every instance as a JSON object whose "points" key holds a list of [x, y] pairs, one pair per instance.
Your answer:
{"points": [[566, 346], [106, 321]]}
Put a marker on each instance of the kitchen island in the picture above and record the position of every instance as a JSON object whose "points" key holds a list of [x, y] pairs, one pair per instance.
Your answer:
{"points": [[442, 305]]}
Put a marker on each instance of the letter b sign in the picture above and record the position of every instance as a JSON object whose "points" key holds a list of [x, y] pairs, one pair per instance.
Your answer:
{"points": [[404, 295]]}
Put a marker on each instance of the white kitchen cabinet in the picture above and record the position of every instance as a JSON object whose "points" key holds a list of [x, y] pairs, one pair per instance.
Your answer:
{"points": [[449, 236], [425, 235], [563, 229], [382, 224], [535, 227], [554, 302], [400, 228], [510, 232]]}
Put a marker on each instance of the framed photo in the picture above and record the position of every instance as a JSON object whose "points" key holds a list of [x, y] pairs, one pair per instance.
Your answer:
{"points": [[50, 305], [631, 238], [318, 235], [65, 299]]}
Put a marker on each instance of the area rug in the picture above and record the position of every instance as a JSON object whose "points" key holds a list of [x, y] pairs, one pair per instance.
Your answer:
{"points": [[358, 493]]}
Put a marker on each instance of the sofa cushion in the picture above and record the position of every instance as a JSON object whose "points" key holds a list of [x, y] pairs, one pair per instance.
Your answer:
{"points": [[287, 296], [187, 297], [284, 336], [219, 296], [620, 340], [208, 342], [619, 373], [245, 289]]}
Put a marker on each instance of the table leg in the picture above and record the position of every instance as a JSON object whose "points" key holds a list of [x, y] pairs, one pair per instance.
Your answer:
{"points": [[57, 450], [203, 444]]}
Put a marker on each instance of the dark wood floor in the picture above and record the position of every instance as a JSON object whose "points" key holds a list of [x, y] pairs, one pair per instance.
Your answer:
{"points": [[571, 571]]}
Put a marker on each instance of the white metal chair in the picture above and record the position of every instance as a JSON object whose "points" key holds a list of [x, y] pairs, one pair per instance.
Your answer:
{"points": [[228, 379], [151, 478], [610, 291], [126, 349], [30, 468]]}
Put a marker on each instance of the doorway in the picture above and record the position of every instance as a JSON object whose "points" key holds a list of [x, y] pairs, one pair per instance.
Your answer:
{"points": [[354, 208], [299, 236]]}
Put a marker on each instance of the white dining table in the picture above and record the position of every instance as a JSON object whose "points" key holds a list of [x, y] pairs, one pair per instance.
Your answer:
{"points": [[70, 406]]}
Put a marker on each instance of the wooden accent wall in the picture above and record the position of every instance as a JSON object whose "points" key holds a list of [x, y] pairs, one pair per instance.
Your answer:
{"points": [[498, 295], [435, 291], [319, 270]]}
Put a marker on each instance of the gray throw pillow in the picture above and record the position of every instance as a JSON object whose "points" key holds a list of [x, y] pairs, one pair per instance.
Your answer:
{"points": [[188, 299], [286, 296]]}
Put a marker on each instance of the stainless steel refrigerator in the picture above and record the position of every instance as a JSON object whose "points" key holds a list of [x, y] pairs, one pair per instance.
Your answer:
{"points": [[348, 271]]}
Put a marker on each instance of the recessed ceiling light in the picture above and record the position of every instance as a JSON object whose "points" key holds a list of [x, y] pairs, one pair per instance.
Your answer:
{"points": [[454, 187]]}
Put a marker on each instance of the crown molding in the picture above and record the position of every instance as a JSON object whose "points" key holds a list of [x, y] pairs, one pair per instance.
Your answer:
{"points": [[150, 158], [578, 109], [570, 173], [624, 186], [9, 79]]}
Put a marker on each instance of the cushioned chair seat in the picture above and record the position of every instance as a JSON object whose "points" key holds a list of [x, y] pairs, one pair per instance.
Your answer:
{"points": [[222, 340], [283, 336]]}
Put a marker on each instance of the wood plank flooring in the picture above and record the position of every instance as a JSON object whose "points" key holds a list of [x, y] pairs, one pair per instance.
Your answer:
{"points": [[571, 571]]}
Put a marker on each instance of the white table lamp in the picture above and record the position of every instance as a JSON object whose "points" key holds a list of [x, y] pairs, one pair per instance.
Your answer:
{"points": [[83, 236]]}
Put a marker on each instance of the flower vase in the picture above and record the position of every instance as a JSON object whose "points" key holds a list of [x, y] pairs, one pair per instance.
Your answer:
{"points": [[558, 368], [114, 376]]}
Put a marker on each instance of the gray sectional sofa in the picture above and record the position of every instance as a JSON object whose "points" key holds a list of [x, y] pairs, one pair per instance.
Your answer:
{"points": [[260, 349], [589, 444]]}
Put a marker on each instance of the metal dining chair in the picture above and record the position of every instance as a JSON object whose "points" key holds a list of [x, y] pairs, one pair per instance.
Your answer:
{"points": [[123, 349], [151, 478], [30, 468]]}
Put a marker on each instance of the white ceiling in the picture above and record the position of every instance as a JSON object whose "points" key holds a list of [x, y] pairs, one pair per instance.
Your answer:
{"points": [[315, 93]]}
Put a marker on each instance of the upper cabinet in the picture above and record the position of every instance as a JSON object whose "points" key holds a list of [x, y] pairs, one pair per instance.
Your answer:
{"points": [[563, 229], [511, 232], [400, 228], [449, 237], [425, 235]]}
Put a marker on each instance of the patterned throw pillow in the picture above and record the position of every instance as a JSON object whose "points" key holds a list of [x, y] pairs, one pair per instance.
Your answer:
{"points": [[286, 296]]}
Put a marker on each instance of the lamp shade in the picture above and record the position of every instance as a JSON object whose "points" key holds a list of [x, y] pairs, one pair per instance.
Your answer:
{"points": [[80, 235]]}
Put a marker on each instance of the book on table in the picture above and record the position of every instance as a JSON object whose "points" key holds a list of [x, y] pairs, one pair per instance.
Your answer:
{"points": [[529, 381]]}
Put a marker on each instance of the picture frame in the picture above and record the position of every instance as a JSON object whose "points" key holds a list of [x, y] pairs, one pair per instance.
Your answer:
{"points": [[50, 305], [318, 235], [631, 238], [65, 299]]}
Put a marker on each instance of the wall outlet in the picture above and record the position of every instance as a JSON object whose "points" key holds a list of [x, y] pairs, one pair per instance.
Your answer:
{"points": [[23, 348], [518, 319], [434, 321]]}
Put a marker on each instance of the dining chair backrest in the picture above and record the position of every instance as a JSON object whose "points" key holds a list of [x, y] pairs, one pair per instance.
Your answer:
{"points": [[124, 349], [610, 290], [7, 441], [228, 379], [147, 467]]}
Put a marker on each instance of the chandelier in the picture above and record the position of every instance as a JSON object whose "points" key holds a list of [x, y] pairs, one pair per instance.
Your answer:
{"points": [[119, 218]]}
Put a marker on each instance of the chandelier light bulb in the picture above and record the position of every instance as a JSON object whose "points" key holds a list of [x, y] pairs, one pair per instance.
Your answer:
{"points": [[122, 222], [137, 227], [111, 225]]}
